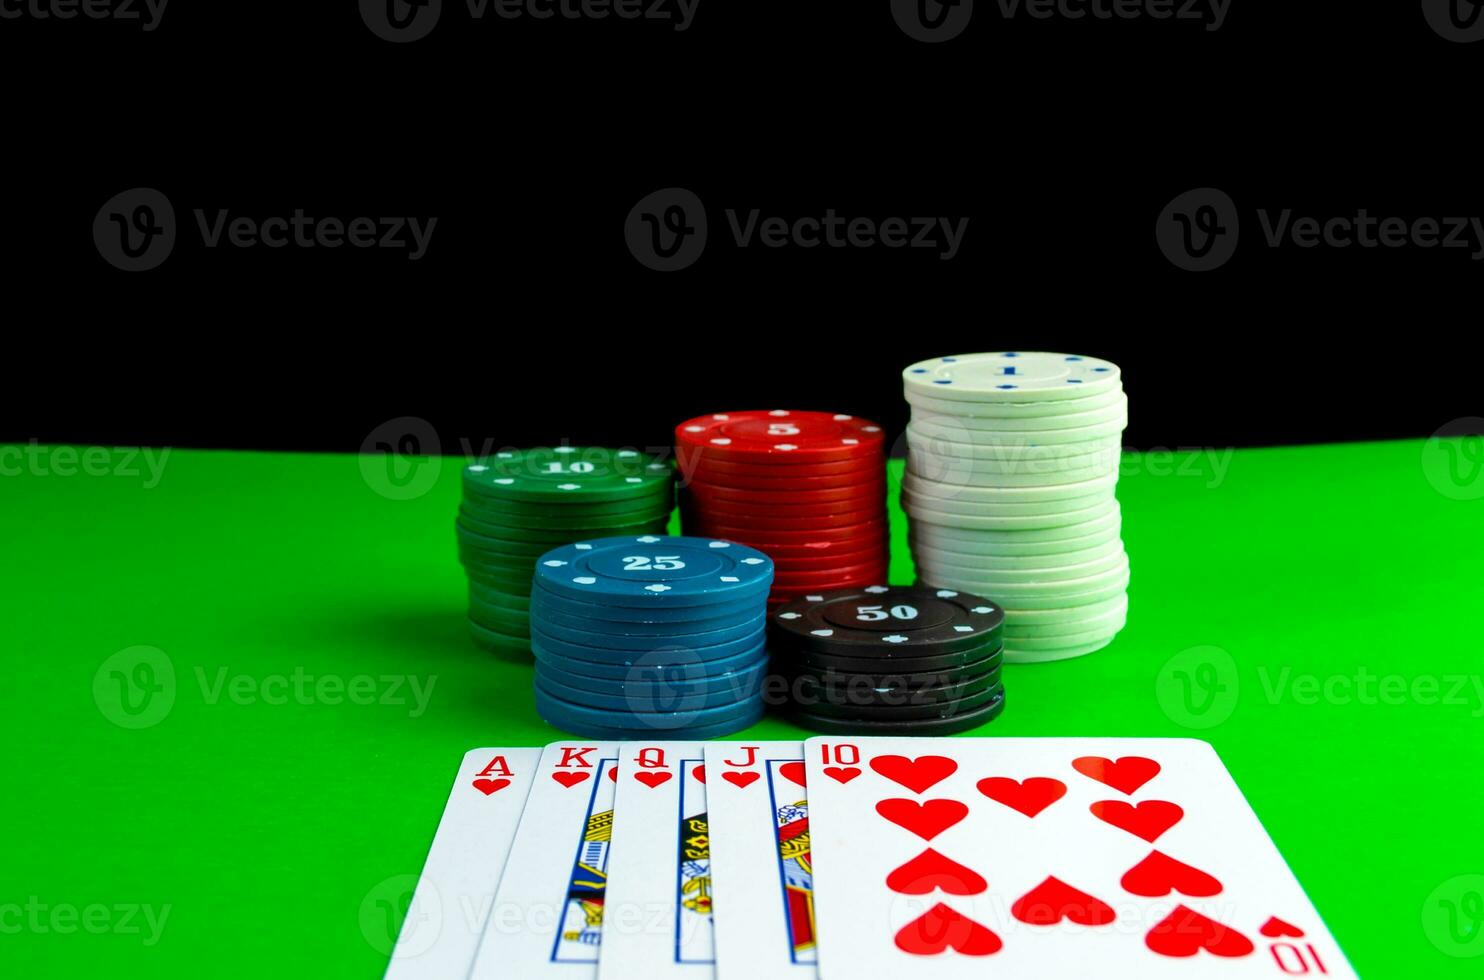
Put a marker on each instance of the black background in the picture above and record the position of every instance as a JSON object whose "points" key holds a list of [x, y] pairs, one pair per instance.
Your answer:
{"points": [[529, 322]]}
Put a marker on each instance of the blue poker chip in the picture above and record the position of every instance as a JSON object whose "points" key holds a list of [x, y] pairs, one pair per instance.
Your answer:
{"points": [[713, 692], [699, 734], [667, 665], [655, 570], [582, 720], [710, 645], [558, 603], [744, 619]]}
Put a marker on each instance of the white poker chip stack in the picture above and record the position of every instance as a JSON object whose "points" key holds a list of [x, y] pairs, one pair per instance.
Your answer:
{"points": [[1012, 465]]}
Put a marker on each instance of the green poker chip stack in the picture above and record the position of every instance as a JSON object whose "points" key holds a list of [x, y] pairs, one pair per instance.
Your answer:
{"points": [[521, 503]]}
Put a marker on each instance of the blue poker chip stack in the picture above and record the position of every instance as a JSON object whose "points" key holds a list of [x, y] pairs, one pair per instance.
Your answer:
{"points": [[650, 636]]}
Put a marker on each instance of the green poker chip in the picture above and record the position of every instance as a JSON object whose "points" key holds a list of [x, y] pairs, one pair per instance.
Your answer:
{"points": [[582, 474]]}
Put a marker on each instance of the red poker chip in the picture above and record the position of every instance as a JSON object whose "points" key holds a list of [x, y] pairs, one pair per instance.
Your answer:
{"points": [[781, 436], [699, 465], [769, 481], [708, 493], [785, 519], [838, 578], [760, 537], [817, 563]]}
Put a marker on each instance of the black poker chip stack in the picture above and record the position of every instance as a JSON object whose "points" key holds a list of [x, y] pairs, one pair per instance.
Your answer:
{"points": [[888, 660]]}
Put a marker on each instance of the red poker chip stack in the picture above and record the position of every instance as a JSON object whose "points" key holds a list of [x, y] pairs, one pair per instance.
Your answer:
{"points": [[806, 488]]}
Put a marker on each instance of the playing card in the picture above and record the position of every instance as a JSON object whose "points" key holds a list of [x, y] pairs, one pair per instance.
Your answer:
{"points": [[547, 917], [658, 918], [441, 928], [760, 857], [1055, 857]]}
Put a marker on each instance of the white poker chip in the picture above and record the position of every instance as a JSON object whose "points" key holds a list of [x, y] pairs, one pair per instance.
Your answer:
{"points": [[996, 576], [951, 503], [928, 489], [946, 556], [1040, 473], [1019, 524], [942, 428], [1116, 410], [1014, 451], [1011, 376], [1108, 622], [1026, 411], [990, 538], [1023, 656], [1080, 612]]}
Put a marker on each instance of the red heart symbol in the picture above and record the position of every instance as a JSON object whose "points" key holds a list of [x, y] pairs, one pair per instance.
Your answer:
{"points": [[1126, 775], [1275, 927], [918, 775], [1147, 820], [930, 870], [488, 786], [570, 779], [652, 779], [926, 820], [1053, 900], [700, 774], [1185, 932], [740, 779], [1159, 874], [840, 775], [793, 772], [939, 928], [613, 773], [1029, 797]]}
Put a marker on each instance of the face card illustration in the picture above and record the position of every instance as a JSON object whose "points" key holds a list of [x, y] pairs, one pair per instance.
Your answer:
{"points": [[760, 858], [1049, 857], [441, 928], [547, 917], [659, 909]]}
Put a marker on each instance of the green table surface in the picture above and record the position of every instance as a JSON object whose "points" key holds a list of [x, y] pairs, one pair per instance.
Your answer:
{"points": [[1312, 612]]}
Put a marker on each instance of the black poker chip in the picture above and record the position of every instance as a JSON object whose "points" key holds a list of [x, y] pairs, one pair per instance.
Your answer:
{"points": [[857, 724], [841, 695], [889, 621], [973, 663], [787, 654], [929, 711]]}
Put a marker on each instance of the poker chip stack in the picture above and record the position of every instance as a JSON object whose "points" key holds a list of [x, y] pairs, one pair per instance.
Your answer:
{"points": [[520, 504], [889, 660], [807, 488], [650, 636], [1009, 489]]}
